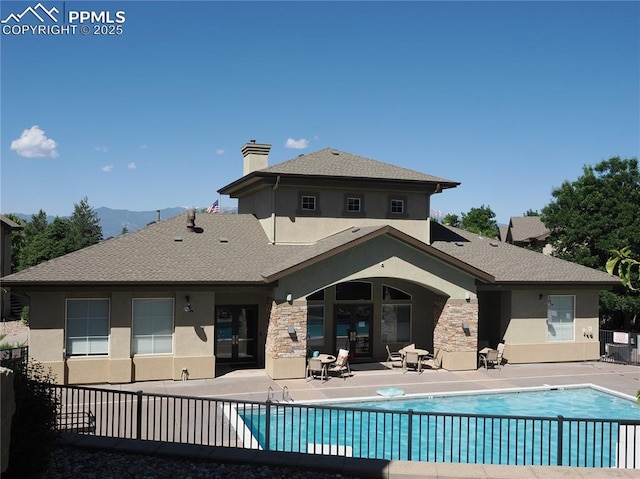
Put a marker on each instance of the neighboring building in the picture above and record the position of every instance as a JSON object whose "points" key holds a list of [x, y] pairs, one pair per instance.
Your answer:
{"points": [[328, 250], [527, 231], [10, 307]]}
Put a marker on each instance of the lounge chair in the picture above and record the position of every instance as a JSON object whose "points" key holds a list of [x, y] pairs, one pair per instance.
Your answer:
{"points": [[315, 368], [393, 357], [342, 364]]}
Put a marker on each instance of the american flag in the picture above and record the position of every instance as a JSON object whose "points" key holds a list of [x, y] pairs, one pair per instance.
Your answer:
{"points": [[213, 207]]}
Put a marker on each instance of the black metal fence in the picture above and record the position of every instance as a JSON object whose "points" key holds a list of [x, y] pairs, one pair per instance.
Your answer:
{"points": [[354, 432], [619, 347]]}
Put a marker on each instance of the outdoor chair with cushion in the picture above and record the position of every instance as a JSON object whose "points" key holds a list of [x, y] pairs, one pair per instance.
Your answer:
{"points": [[490, 358], [412, 360], [342, 364], [315, 368], [393, 357]]}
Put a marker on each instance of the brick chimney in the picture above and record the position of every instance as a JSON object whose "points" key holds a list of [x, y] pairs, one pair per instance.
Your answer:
{"points": [[256, 157]]}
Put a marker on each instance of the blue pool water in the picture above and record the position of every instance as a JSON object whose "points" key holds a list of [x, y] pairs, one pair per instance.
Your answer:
{"points": [[570, 403], [457, 428]]}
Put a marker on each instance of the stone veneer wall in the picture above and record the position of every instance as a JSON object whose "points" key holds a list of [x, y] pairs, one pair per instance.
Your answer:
{"points": [[279, 343], [448, 334]]}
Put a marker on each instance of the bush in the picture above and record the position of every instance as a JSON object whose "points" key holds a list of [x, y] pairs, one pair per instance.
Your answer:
{"points": [[33, 427]]}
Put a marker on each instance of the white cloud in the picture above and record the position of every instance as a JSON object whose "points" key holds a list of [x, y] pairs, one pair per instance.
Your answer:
{"points": [[33, 144], [107, 168], [219, 151], [143, 147], [300, 144], [131, 166], [103, 149]]}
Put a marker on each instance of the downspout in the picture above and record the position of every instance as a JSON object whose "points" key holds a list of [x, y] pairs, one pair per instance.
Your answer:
{"points": [[273, 210]]}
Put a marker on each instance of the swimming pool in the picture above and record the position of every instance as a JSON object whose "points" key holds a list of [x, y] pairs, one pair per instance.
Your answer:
{"points": [[511, 428]]}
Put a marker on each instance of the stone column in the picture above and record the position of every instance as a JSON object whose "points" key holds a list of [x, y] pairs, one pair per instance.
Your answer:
{"points": [[285, 351], [458, 346]]}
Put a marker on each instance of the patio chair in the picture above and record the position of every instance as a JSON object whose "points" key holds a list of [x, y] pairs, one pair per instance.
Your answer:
{"points": [[412, 360], [315, 368], [342, 364], [490, 358], [393, 357]]}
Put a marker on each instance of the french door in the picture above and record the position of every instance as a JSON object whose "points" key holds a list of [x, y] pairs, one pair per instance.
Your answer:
{"points": [[236, 330], [353, 328]]}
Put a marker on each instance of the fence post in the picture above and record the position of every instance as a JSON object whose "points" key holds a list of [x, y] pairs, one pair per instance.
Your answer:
{"points": [[139, 415], [409, 434], [267, 426], [560, 434]]}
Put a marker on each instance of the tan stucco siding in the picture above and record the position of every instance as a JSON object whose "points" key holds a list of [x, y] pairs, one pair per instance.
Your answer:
{"points": [[292, 226], [383, 257], [526, 335]]}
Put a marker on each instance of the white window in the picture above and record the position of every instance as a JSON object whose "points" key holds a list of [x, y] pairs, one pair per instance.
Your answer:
{"points": [[308, 203], [87, 327], [353, 205], [560, 317], [397, 206], [153, 326]]}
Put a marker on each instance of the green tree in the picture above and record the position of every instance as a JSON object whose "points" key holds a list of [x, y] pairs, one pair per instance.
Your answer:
{"points": [[531, 213], [46, 245], [17, 242], [451, 220], [43, 241], [597, 213], [480, 221], [84, 226]]}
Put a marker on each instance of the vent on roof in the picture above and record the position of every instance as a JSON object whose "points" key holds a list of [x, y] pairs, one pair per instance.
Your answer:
{"points": [[224, 240], [355, 230], [494, 244], [459, 243], [335, 152], [177, 239]]}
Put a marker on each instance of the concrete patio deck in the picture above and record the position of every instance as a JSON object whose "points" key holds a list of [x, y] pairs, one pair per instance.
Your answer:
{"points": [[253, 384]]}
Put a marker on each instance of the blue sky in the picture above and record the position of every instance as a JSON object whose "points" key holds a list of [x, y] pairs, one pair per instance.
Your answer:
{"points": [[508, 98]]}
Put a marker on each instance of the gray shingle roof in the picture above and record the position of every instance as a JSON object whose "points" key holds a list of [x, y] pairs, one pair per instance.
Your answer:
{"points": [[513, 264], [168, 253], [336, 163]]}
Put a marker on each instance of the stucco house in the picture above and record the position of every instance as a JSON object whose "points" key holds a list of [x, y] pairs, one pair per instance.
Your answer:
{"points": [[328, 250], [527, 231]]}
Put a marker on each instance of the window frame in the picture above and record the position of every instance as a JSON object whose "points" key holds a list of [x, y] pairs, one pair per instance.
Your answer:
{"points": [[563, 325], [155, 337], [301, 210], [349, 197], [68, 340], [390, 204]]}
